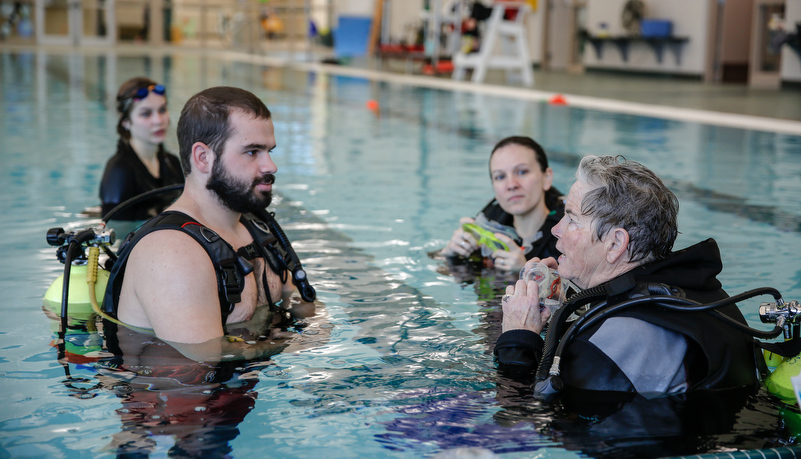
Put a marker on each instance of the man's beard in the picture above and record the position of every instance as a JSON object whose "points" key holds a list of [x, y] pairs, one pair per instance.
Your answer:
{"points": [[238, 195]]}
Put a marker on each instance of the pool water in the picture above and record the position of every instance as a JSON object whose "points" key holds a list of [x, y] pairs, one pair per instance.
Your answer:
{"points": [[402, 366]]}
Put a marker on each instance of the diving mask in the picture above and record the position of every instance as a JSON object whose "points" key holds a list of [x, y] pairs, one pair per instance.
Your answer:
{"points": [[483, 230], [548, 281]]}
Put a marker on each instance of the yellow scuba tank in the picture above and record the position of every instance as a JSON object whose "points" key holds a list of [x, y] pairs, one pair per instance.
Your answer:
{"points": [[779, 383], [71, 247], [79, 303], [773, 360]]}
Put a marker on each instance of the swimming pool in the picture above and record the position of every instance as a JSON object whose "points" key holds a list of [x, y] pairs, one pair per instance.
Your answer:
{"points": [[365, 196]]}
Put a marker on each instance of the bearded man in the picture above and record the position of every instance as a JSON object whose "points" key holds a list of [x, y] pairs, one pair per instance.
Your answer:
{"points": [[212, 268]]}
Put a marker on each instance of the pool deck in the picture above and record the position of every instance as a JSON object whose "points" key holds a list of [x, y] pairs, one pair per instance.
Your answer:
{"points": [[668, 96], [671, 96], [675, 91]]}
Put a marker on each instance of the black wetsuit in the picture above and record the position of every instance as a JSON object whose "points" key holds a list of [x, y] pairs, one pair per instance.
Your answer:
{"points": [[126, 176], [544, 244], [648, 349]]}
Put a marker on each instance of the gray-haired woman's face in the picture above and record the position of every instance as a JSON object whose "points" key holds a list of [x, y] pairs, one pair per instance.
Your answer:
{"points": [[583, 260]]}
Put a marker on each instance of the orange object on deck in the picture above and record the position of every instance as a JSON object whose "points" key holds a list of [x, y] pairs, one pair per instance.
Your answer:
{"points": [[442, 67]]}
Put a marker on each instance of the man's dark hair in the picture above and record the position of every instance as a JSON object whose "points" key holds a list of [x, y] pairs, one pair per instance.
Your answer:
{"points": [[206, 118]]}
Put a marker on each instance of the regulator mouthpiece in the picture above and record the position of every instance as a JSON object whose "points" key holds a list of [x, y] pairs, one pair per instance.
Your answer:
{"points": [[305, 289]]}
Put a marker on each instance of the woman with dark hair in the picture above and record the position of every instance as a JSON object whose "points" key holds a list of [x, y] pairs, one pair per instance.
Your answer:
{"points": [[525, 208], [141, 163]]}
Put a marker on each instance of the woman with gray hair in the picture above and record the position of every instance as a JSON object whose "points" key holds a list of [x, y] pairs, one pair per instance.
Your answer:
{"points": [[616, 240], [628, 195]]}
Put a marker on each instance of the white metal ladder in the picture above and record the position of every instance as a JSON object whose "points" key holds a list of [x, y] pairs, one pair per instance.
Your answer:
{"points": [[514, 53]]}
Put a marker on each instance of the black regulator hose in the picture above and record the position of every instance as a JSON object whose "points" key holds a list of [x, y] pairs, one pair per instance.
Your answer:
{"points": [[556, 327], [744, 296], [547, 385], [73, 249], [674, 303], [72, 253], [548, 379], [65, 286]]}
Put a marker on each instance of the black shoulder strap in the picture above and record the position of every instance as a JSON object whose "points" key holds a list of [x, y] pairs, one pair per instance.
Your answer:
{"points": [[264, 245], [230, 269], [275, 247]]}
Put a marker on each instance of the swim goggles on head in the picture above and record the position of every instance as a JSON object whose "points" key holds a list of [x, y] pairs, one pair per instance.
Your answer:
{"points": [[141, 93]]}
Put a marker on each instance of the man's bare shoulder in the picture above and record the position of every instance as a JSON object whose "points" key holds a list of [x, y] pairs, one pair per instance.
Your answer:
{"points": [[171, 281], [170, 257], [165, 242]]}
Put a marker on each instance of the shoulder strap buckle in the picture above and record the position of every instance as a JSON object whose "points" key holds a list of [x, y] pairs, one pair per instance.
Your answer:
{"points": [[232, 282], [248, 252]]}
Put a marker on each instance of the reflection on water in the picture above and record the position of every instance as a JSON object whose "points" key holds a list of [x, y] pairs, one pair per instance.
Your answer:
{"points": [[196, 406], [401, 363], [165, 397]]}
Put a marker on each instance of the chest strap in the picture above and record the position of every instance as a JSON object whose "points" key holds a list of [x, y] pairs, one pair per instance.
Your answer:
{"points": [[230, 268]]}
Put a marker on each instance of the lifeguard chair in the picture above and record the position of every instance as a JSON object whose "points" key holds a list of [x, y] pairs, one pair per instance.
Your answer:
{"points": [[511, 55]]}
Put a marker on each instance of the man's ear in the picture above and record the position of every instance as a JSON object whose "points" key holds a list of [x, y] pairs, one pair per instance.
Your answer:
{"points": [[202, 157], [617, 246]]}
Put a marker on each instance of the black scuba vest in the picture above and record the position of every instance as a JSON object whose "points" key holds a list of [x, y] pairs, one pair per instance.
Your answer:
{"points": [[231, 266], [718, 356]]}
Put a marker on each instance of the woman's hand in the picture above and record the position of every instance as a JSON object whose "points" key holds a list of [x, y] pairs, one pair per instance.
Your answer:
{"points": [[512, 260], [521, 308], [551, 263], [462, 243]]}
